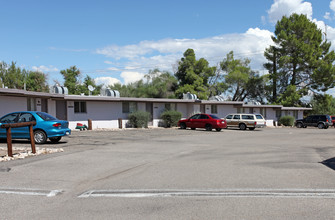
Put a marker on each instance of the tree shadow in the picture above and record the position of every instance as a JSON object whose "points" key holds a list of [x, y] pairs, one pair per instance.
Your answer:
{"points": [[329, 163]]}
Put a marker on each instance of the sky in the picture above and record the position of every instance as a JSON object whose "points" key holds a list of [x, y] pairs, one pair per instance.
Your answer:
{"points": [[116, 41]]}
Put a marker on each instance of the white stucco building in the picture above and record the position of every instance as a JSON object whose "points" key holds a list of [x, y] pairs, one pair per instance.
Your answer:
{"points": [[109, 112]]}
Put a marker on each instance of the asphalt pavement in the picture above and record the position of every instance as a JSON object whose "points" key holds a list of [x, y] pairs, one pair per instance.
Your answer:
{"points": [[271, 173]]}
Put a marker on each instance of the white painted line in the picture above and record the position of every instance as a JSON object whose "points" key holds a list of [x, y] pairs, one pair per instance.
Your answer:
{"points": [[31, 192], [288, 193]]}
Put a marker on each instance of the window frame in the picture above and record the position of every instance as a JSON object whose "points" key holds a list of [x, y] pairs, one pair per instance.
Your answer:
{"points": [[80, 107]]}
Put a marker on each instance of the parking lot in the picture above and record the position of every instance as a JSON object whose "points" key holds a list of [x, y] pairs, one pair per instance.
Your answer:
{"points": [[271, 173]]}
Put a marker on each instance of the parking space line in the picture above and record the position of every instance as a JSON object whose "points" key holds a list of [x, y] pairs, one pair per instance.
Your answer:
{"points": [[31, 192], [302, 193]]}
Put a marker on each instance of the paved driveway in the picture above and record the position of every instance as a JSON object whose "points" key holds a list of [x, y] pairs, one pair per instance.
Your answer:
{"points": [[272, 173]]}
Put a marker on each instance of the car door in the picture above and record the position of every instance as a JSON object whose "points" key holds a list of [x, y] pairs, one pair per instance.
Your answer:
{"points": [[308, 120], [7, 119], [229, 119], [202, 121], [192, 122], [236, 120], [23, 132]]}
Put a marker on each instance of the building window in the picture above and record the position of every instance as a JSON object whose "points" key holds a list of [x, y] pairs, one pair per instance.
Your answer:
{"points": [[214, 109], [129, 107], [79, 107], [170, 107]]}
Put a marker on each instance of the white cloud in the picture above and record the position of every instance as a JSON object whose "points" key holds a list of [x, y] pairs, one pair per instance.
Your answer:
{"points": [[327, 16], [130, 77], [287, 7], [332, 5], [45, 69], [250, 44], [106, 81]]}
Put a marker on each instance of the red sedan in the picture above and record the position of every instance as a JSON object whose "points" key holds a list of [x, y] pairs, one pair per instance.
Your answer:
{"points": [[206, 121]]}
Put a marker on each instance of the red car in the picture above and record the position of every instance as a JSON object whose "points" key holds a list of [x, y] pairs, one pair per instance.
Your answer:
{"points": [[206, 121], [333, 119]]}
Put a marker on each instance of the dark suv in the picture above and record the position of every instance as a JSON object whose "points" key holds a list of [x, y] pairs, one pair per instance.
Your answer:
{"points": [[320, 121]]}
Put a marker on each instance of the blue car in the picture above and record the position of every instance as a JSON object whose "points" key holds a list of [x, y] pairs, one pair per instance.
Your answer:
{"points": [[46, 126]]}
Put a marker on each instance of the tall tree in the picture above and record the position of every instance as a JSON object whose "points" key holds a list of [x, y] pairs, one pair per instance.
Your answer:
{"points": [[242, 82], [71, 77], [323, 104], [272, 55], [36, 81], [193, 75], [17, 78], [160, 84], [304, 58], [88, 81], [156, 84]]}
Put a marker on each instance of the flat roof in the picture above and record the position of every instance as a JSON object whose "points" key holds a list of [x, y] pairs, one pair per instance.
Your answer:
{"points": [[22, 93]]}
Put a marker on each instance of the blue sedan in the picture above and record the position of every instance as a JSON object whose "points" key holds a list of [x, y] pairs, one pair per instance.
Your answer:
{"points": [[46, 126]]}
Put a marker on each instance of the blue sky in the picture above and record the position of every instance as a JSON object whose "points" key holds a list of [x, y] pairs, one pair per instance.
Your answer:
{"points": [[119, 41]]}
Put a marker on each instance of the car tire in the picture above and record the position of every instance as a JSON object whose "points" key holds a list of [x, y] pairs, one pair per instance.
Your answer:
{"points": [[40, 137], [55, 139], [218, 129], [242, 126], [208, 127], [182, 126], [251, 129], [192, 128], [299, 125], [321, 126]]}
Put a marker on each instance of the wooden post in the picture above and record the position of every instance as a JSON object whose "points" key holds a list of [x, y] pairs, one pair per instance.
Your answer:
{"points": [[89, 124], [120, 123], [9, 142], [18, 125], [32, 139]]}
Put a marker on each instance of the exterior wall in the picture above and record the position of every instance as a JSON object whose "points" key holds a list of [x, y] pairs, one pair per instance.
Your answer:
{"points": [[183, 108], [106, 113], [38, 104], [12, 104], [52, 107], [224, 110], [102, 114]]}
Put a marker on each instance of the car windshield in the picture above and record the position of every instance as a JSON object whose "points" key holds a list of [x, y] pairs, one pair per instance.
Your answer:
{"points": [[214, 116], [46, 117], [259, 117]]}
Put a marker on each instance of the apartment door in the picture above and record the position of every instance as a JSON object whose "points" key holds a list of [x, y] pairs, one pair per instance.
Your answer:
{"points": [[61, 110], [149, 108]]}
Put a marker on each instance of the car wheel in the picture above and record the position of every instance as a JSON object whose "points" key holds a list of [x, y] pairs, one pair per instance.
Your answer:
{"points": [[218, 129], [321, 126], [208, 127], [55, 139], [40, 137], [299, 125], [242, 126], [192, 128], [251, 129], [182, 126]]}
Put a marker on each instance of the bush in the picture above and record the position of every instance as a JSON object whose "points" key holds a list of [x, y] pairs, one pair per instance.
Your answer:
{"points": [[171, 118], [139, 119], [287, 120]]}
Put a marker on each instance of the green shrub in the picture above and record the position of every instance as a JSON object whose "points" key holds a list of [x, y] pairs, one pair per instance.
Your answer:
{"points": [[171, 118], [139, 119], [287, 120]]}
